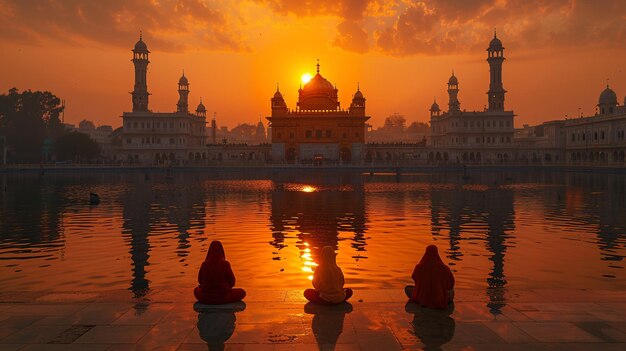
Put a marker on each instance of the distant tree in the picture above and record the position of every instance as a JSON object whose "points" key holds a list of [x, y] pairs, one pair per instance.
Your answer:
{"points": [[27, 119], [76, 146]]}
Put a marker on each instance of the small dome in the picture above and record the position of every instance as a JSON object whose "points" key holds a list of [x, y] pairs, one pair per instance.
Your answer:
{"points": [[140, 46], [183, 80], [495, 45], [608, 97], [201, 107], [434, 107], [278, 95], [358, 95], [453, 80]]}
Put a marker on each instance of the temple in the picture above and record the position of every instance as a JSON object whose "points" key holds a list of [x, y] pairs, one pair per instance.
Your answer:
{"points": [[318, 129]]}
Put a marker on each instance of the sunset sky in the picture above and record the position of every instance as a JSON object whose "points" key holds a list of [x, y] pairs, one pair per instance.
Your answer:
{"points": [[559, 53]]}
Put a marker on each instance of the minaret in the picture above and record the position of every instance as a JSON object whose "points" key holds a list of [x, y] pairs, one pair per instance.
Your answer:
{"points": [[140, 60], [453, 92], [495, 57], [434, 109], [201, 110], [279, 107], [357, 107], [183, 91]]}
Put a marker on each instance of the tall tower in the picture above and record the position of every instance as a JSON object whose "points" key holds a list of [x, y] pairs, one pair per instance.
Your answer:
{"points": [[495, 57], [453, 94], [183, 91], [140, 60]]}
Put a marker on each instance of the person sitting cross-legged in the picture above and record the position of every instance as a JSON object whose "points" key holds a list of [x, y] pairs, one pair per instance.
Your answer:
{"points": [[216, 279], [328, 281], [434, 282]]}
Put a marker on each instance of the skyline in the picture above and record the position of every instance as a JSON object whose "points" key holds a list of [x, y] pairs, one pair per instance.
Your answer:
{"points": [[236, 72]]}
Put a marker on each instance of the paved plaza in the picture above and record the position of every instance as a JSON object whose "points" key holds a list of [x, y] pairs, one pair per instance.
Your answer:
{"points": [[281, 320]]}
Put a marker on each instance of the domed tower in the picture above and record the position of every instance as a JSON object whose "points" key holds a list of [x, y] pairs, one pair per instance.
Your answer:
{"points": [[140, 60], [357, 107], [434, 109], [201, 110], [183, 92], [453, 94], [495, 57], [318, 94], [607, 101], [278, 103]]}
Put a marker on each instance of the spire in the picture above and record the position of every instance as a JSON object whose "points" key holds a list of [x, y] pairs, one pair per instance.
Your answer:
{"points": [[453, 72], [495, 34], [435, 99], [183, 72], [214, 115], [358, 86], [277, 87], [607, 83], [318, 65], [140, 35]]}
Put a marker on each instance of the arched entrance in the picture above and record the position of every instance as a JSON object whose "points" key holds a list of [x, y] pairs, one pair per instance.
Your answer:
{"points": [[345, 155]]}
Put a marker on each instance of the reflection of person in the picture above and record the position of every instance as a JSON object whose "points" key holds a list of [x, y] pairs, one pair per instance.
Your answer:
{"points": [[434, 282], [327, 323], [216, 326], [434, 328], [216, 279], [328, 281]]}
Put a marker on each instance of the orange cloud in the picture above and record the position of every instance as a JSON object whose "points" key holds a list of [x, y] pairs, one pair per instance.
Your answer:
{"points": [[172, 25]]}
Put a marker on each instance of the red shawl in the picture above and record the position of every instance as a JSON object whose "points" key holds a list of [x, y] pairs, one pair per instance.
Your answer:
{"points": [[215, 276], [433, 279]]}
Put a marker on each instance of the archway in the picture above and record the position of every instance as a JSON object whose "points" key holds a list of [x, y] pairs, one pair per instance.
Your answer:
{"points": [[345, 155]]}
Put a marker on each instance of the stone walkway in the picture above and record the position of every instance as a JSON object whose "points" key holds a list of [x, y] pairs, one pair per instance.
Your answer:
{"points": [[377, 320]]}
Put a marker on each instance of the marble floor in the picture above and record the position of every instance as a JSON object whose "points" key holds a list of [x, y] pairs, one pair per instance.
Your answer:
{"points": [[280, 320]]}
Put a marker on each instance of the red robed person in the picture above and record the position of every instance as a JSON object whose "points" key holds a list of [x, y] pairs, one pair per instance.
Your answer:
{"points": [[216, 279], [434, 282]]}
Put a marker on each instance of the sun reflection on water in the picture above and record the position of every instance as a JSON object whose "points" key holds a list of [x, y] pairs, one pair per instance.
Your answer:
{"points": [[308, 189], [308, 262]]}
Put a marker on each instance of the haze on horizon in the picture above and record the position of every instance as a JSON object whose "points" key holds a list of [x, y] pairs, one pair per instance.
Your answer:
{"points": [[559, 53]]}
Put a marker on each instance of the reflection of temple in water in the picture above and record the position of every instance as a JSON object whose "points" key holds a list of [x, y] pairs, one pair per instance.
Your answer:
{"points": [[490, 207], [152, 210], [318, 213]]}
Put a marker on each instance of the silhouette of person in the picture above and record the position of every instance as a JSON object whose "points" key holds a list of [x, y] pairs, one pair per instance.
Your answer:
{"points": [[434, 282], [327, 323], [216, 279], [328, 281], [217, 325], [433, 327]]}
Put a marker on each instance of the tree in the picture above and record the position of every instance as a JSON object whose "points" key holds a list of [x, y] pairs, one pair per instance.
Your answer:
{"points": [[27, 119], [76, 146]]}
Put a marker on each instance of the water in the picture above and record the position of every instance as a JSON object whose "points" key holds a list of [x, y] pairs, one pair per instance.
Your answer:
{"points": [[495, 230]]}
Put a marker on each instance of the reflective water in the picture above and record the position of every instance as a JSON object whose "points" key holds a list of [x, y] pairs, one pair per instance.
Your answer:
{"points": [[512, 230]]}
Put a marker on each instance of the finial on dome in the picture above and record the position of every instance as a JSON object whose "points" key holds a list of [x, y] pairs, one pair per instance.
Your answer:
{"points": [[277, 87], [495, 34], [318, 65], [607, 83], [140, 35], [183, 72], [358, 86], [435, 99], [200, 99]]}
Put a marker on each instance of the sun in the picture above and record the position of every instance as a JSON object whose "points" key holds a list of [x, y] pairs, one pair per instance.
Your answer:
{"points": [[306, 78]]}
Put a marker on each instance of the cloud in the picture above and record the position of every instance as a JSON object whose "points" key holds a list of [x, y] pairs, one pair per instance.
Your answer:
{"points": [[351, 36], [439, 27], [171, 25]]}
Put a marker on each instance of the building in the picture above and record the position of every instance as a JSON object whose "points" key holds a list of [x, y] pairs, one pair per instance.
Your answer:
{"points": [[318, 129], [598, 139], [474, 136], [161, 138]]}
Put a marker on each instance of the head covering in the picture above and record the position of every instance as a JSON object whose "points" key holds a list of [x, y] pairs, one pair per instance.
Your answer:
{"points": [[328, 277], [216, 254], [432, 279]]}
